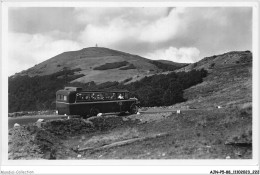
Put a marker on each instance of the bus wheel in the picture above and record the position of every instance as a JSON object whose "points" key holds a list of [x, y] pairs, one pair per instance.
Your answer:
{"points": [[94, 112], [133, 109]]}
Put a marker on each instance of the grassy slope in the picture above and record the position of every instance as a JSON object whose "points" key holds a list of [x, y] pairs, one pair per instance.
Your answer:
{"points": [[200, 134], [89, 58], [225, 86]]}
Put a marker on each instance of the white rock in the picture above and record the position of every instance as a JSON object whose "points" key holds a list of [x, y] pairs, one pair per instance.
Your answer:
{"points": [[40, 120], [178, 111], [65, 114], [16, 125], [99, 114], [228, 157], [138, 113], [219, 107], [163, 154]]}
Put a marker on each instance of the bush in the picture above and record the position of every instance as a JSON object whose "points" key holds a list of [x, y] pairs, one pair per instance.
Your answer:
{"points": [[167, 67], [212, 65], [113, 65], [128, 79], [130, 66], [37, 93], [174, 94]]}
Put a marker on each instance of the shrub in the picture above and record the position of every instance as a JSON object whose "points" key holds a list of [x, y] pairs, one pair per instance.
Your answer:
{"points": [[128, 79], [167, 67], [37, 93], [130, 66], [212, 65], [113, 65]]}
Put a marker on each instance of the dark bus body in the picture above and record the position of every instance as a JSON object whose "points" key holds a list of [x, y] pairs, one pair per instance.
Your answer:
{"points": [[74, 101]]}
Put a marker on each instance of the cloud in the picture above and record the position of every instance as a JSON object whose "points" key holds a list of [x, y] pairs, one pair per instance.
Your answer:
{"points": [[215, 30], [164, 28], [113, 26], [35, 20], [211, 29], [25, 50], [181, 55], [104, 15], [106, 36]]}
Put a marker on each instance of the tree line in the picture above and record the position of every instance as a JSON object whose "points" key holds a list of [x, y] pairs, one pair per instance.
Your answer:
{"points": [[38, 93]]}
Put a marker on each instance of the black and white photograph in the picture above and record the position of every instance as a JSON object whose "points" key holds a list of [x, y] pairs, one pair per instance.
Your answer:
{"points": [[137, 82]]}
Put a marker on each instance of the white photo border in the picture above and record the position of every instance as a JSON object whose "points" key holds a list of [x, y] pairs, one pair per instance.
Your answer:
{"points": [[127, 166]]}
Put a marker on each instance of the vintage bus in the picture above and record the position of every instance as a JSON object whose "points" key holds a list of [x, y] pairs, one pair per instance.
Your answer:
{"points": [[75, 101]]}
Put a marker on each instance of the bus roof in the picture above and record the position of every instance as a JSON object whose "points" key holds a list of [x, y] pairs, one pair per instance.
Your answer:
{"points": [[105, 91], [68, 91]]}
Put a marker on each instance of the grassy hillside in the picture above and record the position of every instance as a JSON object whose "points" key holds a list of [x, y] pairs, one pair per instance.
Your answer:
{"points": [[226, 85], [38, 92], [215, 61], [100, 65], [229, 83]]}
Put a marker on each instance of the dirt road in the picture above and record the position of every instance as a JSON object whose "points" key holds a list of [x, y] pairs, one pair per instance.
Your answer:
{"points": [[32, 119]]}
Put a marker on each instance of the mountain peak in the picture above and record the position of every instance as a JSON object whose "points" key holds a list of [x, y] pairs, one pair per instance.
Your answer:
{"points": [[100, 64]]}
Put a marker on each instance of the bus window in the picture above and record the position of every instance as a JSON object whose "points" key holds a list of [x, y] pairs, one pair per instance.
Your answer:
{"points": [[126, 96], [99, 96], [93, 96], [65, 98], [120, 96], [113, 97], [79, 97], [107, 95], [60, 97], [83, 97], [87, 97]]}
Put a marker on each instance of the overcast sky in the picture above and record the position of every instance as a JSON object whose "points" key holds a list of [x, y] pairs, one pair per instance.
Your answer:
{"points": [[178, 34]]}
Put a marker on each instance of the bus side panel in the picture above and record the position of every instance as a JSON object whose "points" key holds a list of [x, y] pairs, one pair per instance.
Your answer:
{"points": [[108, 107], [62, 108], [84, 109], [101, 106], [80, 109]]}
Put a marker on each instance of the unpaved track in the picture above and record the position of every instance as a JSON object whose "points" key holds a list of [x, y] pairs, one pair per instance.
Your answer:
{"points": [[32, 119], [165, 110]]}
